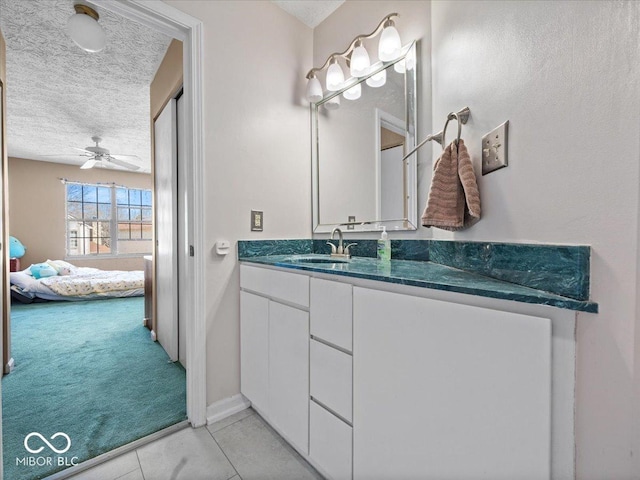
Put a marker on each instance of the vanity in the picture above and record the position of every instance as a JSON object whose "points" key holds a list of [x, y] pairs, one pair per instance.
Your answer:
{"points": [[455, 360], [409, 370]]}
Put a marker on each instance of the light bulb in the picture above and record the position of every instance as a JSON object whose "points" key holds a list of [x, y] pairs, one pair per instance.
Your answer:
{"points": [[85, 30], [314, 90], [400, 66], [335, 76], [390, 46], [353, 93], [377, 80], [360, 62], [333, 104]]}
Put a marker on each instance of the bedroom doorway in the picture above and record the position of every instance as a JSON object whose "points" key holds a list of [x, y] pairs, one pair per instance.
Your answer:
{"points": [[191, 292]]}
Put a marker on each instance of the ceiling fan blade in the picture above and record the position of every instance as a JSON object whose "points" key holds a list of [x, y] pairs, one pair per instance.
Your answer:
{"points": [[82, 149], [123, 155], [65, 155], [89, 164], [122, 163]]}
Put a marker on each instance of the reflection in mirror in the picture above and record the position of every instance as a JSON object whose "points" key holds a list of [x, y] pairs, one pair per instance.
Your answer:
{"points": [[358, 150]]}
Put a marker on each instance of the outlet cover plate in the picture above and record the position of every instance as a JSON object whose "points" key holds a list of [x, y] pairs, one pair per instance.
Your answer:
{"points": [[257, 220], [494, 149]]}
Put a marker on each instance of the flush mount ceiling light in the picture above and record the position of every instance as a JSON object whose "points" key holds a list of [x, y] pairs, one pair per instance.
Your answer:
{"points": [[357, 59], [84, 29]]}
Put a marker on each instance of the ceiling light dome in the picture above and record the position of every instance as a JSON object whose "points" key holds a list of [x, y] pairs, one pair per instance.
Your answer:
{"points": [[84, 29]]}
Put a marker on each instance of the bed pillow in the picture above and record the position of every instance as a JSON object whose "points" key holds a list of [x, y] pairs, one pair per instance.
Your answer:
{"points": [[42, 270], [23, 280], [61, 267]]}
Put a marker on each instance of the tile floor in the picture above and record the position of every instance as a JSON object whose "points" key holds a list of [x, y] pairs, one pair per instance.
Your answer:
{"points": [[240, 447]]}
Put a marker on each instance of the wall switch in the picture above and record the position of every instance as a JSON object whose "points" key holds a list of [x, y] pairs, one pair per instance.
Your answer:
{"points": [[257, 221], [352, 219], [494, 149]]}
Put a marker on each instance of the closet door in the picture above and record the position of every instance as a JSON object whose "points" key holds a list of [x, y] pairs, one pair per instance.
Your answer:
{"points": [[166, 261]]}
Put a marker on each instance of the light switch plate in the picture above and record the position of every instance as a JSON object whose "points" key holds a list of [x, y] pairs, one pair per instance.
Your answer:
{"points": [[494, 149], [257, 220], [352, 219]]}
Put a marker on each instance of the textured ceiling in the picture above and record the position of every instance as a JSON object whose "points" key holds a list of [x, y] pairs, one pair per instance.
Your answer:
{"points": [[58, 95], [309, 12]]}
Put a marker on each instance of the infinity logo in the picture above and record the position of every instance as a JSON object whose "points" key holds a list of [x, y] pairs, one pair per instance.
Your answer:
{"points": [[38, 450]]}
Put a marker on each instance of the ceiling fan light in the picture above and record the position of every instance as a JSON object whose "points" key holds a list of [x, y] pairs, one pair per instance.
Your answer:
{"points": [[89, 164], [85, 31]]}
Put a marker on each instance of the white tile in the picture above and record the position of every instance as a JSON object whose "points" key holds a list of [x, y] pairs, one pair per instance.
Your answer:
{"points": [[231, 419], [190, 454], [112, 469], [259, 453], [135, 475]]}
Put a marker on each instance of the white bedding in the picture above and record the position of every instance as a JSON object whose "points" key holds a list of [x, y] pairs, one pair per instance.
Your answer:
{"points": [[86, 283]]}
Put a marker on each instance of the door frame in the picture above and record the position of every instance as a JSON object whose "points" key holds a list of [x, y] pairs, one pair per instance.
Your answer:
{"points": [[166, 19]]}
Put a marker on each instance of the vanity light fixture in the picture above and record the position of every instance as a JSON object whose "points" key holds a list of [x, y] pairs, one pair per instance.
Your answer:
{"points": [[84, 29], [358, 61], [353, 93], [377, 80], [390, 45], [335, 76], [333, 104], [314, 89]]}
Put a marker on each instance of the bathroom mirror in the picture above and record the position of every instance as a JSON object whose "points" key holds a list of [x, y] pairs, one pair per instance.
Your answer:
{"points": [[360, 182]]}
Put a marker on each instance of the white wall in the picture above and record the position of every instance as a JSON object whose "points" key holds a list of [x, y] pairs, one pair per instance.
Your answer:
{"points": [[567, 77], [256, 152]]}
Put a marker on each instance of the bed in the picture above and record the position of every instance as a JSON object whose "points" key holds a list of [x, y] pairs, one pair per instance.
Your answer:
{"points": [[79, 283]]}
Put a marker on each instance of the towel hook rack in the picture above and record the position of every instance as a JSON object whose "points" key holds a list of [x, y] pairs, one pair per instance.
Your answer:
{"points": [[462, 116]]}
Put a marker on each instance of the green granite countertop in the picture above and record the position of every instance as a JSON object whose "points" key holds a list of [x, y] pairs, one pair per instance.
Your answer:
{"points": [[427, 275]]}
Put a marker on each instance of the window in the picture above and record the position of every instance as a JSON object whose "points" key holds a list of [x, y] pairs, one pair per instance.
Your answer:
{"points": [[108, 220]]}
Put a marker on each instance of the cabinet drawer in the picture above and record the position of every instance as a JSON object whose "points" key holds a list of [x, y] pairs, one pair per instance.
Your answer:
{"points": [[331, 312], [289, 287], [330, 445], [331, 378]]}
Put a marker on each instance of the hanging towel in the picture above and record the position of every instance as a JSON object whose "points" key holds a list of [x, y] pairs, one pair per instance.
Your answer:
{"points": [[454, 199]]}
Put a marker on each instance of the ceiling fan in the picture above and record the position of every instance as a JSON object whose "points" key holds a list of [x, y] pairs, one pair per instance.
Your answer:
{"points": [[101, 157]]}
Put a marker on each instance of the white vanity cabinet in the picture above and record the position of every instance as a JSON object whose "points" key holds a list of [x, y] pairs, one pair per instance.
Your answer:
{"points": [[274, 341], [331, 378], [449, 391], [371, 380], [254, 349]]}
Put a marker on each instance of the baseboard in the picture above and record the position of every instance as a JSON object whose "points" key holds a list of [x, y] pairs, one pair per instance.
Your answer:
{"points": [[11, 364], [226, 407]]}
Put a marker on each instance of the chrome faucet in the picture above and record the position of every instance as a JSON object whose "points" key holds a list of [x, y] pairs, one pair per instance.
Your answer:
{"points": [[341, 250]]}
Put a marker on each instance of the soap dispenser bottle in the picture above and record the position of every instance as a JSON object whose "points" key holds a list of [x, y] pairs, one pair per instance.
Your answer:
{"points": [[384, 246]]}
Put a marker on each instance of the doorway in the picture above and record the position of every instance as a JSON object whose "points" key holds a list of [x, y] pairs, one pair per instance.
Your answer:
{"points": [[186, 28]]}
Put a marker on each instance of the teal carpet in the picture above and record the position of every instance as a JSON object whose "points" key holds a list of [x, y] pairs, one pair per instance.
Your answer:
{"points": [[87, 369]]}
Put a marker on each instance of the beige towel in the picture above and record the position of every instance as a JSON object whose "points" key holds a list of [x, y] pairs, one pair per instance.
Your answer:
{"points": [[454, 199]]}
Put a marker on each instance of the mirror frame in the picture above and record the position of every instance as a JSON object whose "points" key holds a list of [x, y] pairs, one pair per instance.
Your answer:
{"points": [[410, 222]]}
